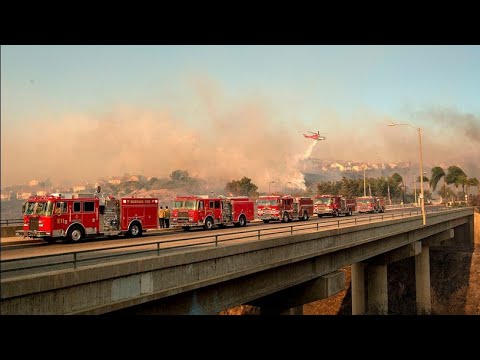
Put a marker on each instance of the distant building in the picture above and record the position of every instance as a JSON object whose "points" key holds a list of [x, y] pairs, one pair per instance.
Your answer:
{"points": [[77, 188], [23, 195], [337, 165], [33, 182], [133, 178], [41, 192], [5, 197], [114, 181]]}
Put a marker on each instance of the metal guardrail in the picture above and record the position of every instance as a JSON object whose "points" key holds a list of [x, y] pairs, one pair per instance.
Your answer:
{"points": [[75, 259], [6, 222]]}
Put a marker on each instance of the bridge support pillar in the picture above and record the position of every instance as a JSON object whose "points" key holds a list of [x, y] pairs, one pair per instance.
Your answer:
{"points": [[358, 289], [422, 281], [377, 290]]}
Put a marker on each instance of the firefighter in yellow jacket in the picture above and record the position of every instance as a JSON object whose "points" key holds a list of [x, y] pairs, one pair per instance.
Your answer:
{"points": [[167, 217], [161, 217]]}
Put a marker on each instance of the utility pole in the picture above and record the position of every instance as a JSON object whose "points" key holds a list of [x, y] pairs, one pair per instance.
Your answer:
{"points": [[415, 184], [364, 183], [389, 199]]}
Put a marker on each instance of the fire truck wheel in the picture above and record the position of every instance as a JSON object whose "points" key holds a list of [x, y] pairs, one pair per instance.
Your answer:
{"points": [[75, 234], [134, 230], [186, 228], [209, 224], [319, 215], [242, 221], [350, 213], [49, 239], [266, 221], [285, 217], [305, 216]]}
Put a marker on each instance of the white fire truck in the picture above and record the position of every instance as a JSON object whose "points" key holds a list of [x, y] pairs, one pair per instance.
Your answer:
{"points": [[285, 208], [371, 204], [73, 217], [333, 205], [194, 211]]}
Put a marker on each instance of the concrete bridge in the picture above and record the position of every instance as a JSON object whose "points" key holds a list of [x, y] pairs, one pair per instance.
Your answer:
{"points": [[279, 274]]}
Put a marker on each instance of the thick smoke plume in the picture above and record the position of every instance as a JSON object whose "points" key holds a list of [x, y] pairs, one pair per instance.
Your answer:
{"points": [[228, 140]]}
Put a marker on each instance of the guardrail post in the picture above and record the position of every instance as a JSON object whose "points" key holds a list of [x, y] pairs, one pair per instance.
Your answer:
{"points": [[158, 249], [74, 260], [355, 221], [317, 226], [258, 234], [338, 223], [216, 240], [291, 229]]}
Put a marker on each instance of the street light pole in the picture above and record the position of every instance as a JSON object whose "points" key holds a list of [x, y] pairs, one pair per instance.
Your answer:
{"points": [[271, 182], [422, 199], [288, 186]]}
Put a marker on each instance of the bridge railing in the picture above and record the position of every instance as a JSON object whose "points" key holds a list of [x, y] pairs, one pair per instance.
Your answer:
{"points": [[75, 259], [7, 222]]}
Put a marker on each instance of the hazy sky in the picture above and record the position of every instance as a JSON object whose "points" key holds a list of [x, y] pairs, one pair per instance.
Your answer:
{"points": [[78, 113]]}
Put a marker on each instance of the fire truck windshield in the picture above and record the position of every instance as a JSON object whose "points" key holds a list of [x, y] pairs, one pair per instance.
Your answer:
{"points": [[187, 204], [39, 208], [266, 202], [323, 200]]}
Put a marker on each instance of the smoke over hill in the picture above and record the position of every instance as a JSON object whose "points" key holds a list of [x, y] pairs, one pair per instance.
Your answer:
{"points": [[229, 140]]}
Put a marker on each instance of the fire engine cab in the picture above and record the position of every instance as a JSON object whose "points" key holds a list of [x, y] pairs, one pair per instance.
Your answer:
{"points": [[73, 217], [334, 205], [371, 204], [194, 211], [285, 208]]}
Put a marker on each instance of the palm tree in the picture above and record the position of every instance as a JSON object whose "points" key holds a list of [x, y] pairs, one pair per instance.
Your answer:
{"points": [[455, 176], [473, 182], [437, 174]]}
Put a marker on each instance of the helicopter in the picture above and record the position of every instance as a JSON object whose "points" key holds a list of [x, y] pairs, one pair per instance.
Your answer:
{"points": [[315, 136]]}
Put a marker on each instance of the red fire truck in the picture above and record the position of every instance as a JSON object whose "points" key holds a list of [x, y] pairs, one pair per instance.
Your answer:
{"points": [[285, 208], [193, 211], [371, 204], [334, 205], [73, 217]]}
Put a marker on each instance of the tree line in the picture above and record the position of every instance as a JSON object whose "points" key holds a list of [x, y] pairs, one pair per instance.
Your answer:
{"points": [[394, 187]]}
